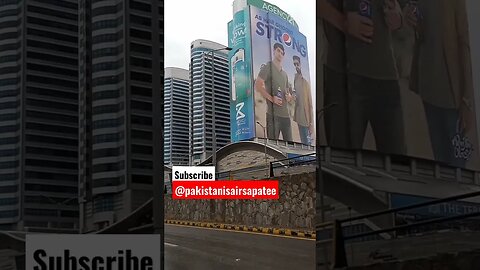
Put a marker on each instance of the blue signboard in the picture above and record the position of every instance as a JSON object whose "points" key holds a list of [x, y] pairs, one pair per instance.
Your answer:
{"points": [[445, 209], [241, 94]]}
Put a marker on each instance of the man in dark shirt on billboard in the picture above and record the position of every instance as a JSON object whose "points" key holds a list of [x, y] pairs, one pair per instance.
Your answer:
{"points": [[303, 115], [336, 26], [373, 87], [272, 83], [334, 74], [442, 75]]}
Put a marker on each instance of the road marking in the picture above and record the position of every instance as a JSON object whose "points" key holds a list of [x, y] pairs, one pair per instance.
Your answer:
{"points": [[171, 245], [224, 230]]}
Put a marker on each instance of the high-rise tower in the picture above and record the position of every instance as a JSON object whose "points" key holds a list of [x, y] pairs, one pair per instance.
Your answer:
{"points": [[121, 57], [203, 96], [38, 115], [176, 123]]}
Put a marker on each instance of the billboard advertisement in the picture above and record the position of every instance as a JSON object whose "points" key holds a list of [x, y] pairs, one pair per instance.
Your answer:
{"points": [[241, 94], [271, 93], [402, 81]]}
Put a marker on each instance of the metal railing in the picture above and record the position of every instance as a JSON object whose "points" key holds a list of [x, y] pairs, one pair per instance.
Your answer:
{"points": [[339, 257], [293, 161], [281, 163], [229, 174]]}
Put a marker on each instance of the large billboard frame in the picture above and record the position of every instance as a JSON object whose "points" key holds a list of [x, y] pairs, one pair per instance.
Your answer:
{"points": [[286, 113], [428, 95]]}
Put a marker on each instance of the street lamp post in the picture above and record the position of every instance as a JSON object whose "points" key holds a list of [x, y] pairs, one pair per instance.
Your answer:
{"points": [[214, 132], [265, 142]]}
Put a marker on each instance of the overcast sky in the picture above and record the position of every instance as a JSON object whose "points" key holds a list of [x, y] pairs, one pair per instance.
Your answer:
{"points": [[187, 20]]}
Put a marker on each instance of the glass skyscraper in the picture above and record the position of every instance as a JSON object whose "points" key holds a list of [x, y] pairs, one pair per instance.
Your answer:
{"points": [[121, 57], [39, 115], [203, 95], [176, 121]]}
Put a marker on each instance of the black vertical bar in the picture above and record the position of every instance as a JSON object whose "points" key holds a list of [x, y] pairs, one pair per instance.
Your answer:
{"points": [[271, 170], [158, 116], [339, 255]]}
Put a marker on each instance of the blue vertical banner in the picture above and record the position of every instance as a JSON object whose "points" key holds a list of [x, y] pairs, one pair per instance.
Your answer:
{"points": [[241, 89]]}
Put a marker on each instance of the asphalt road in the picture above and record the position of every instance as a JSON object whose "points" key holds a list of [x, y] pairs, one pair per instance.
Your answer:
{"points": [[193, 248]]}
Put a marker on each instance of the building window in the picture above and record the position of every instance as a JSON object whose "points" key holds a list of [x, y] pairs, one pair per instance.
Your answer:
{"points": [[140, 62], [141, 91], [9, 164], [53, 13], [103, 203], [107, 37], [108, 123], [107, 24], [8, 201], [8, 177], [115, 108], [108, 152], [51, 188], [106, 95], [141, 120], [140, 34], [8, 153], [142, 164], [140, 20], [64, 4], [144, 135], [51, 46], [107, 10], [140, 48], [113, 137], [8, 213], [140, 105], [50, 164], [107, 52], [111, 181], [51, 140], [8, 189], [51, 176], [142, 179], [140, 6], [142, 149], [53, 24], [108, 167], [40, 212], [107, 80]]}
